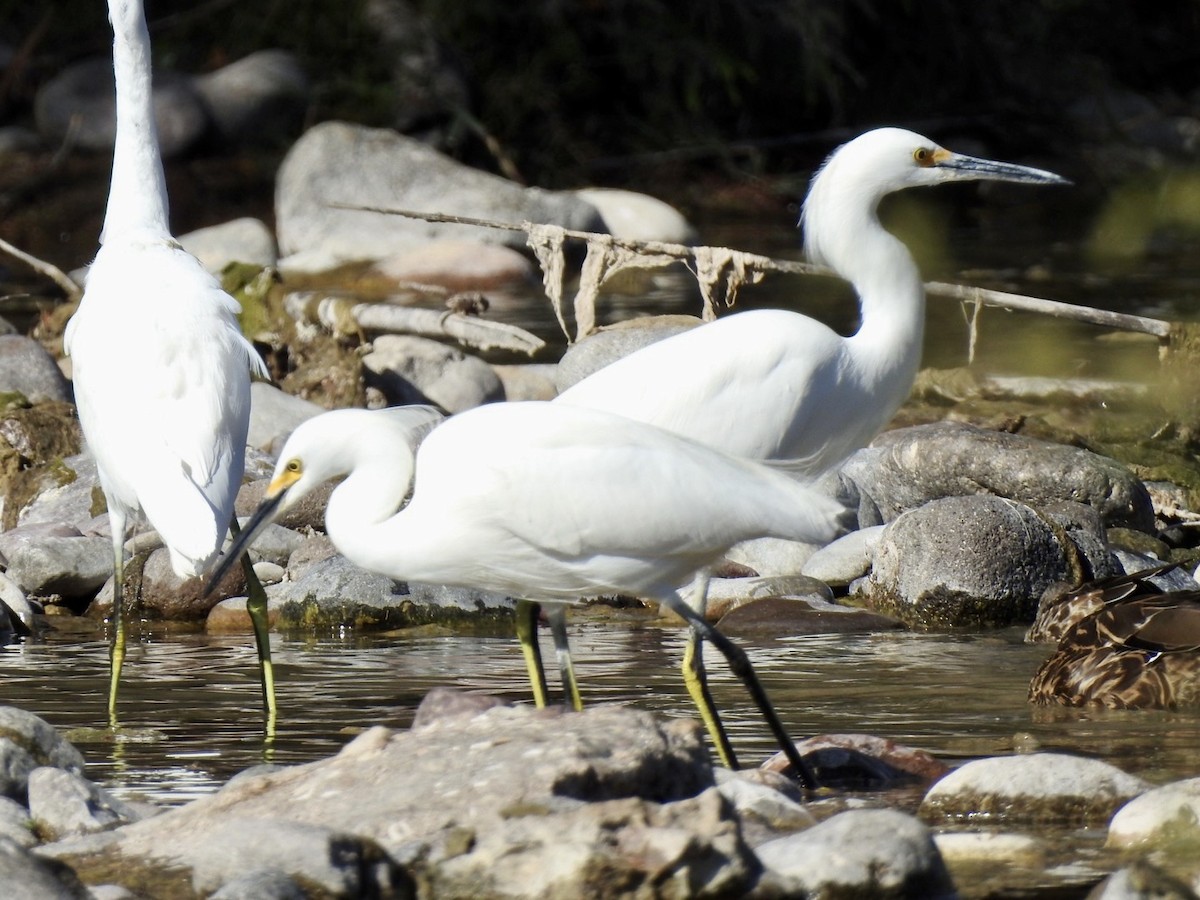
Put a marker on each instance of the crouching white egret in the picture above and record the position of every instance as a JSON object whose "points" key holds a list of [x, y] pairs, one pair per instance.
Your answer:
{"points": [[549, 503], [160, 367]]}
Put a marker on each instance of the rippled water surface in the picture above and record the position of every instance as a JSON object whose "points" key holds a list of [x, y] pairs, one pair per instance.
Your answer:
{"points": [[190, 706]]}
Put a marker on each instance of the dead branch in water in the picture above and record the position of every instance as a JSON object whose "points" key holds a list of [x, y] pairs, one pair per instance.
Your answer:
{"points": [[721, 271]]}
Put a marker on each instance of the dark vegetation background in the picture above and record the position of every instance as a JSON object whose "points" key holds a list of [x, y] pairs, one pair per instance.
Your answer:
{"points": [[668, 96]]}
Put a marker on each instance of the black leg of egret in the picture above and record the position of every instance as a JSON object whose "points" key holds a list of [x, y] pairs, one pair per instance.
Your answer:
{"points": [[740, 665], [556, 613], [256, 606], [527, 620]]}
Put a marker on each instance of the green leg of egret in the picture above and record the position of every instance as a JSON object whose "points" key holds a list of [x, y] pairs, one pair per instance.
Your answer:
{"points": [[556, 613], [740, 665], [527, 616], [116, 650], [256, 606], [696, 680]]}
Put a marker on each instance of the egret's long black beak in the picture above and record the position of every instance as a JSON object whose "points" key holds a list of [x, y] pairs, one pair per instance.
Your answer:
{"points": [[972, 167], [241, 542]]}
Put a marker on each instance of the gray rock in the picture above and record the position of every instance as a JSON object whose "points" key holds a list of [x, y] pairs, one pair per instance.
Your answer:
{"points": [[68, 495], [531, 381], [15, 824], [908, 467], [1175, 580], [26, 368], [771, 556], [1032, 788], [244, 240], [259, 99], [337, 593], [982, 847], [28, 877], [13, 599], [1141, 880], [417, 370], [63, 804], [975, 560], [43, 562], [536, 804], [260, 884], [762, 803], [336, 162], [81, 100], [275, 414], [638, 217], [1165, 817], [27, 743], [861, 853], [772, 617], [613, 342], [458, 266], [847, 558], [1084, 529]]}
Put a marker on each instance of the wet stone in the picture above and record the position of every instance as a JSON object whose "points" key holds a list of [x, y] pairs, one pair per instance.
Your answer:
{"points": [[1033, 788], [880, 853]]}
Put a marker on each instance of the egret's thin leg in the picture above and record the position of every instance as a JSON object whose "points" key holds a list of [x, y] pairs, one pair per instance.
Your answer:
{"points": [[256, 606], [116, 649], [696, 678], [740, 665], [527, 620], [556, 613]]}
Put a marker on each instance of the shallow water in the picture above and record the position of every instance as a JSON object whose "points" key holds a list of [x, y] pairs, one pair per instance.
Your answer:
{"points": [[190, 710]]}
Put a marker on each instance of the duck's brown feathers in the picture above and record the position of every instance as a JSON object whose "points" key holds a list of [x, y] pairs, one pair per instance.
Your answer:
{"points": [[1141, 651]]}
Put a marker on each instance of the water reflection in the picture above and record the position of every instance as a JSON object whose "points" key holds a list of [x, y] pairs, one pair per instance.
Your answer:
{"points": [[191, 707]]}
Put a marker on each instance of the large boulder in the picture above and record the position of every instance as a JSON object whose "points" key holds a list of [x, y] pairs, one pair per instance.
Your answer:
{"points": [[340, 163], [908, 467]]}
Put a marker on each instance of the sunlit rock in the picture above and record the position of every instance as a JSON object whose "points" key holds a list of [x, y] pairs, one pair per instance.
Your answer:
{"points": [[908, 467], [417, 370], [973, 560], [859, 853], [1167, 817], [1031, 788], [340, 163], [242, 240]]}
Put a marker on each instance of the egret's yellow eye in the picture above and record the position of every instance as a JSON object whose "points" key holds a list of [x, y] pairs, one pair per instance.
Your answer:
{"points": [[923, 156], [293, 465]]}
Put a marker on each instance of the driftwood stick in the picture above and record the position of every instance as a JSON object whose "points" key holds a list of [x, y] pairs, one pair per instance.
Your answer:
{"points": [[344, 316], [51, 271], [964, 293]]}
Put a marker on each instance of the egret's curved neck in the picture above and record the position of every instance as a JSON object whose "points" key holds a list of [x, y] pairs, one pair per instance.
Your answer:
{"points": [[137, 198], [891, 295], [361, 517]]}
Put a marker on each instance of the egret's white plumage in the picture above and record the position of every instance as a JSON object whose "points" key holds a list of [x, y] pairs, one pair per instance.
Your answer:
{"points": [[546, 502], [780, 386], [161, 369]]}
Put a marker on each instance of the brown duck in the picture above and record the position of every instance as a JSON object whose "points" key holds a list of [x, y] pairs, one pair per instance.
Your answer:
{"points": [[1138, 649]]}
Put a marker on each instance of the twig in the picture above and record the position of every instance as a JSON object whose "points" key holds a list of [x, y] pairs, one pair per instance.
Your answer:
{"points": [[51, 271], [964, 293]]}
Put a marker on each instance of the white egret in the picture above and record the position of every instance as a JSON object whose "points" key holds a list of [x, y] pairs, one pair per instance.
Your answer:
{"points": [[549, 503], [161, 368], [780, 386]]}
